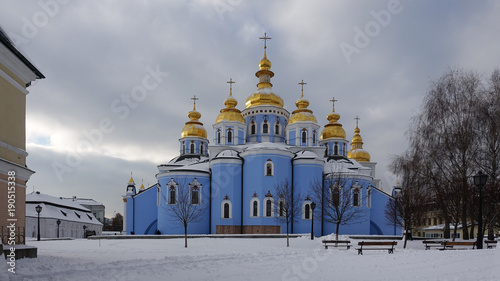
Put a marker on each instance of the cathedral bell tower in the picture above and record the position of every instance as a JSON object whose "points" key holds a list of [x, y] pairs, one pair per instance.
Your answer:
{"points": [[264, 114]]}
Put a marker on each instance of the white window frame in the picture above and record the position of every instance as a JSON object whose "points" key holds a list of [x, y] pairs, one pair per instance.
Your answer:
{"points": [[265, 207], [279, 202], [304, 210], [272, 168], [191, 185], [222, 209], [360, 192], [255, 199], [171, 184]]}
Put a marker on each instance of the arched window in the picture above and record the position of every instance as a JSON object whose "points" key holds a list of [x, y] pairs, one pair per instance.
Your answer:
{"points": [[336, 197], [269, 212], [201, 148], [268, 208], [183, 148], [254, 207], [326, 149], [355, 197], [307, 212], [195, 196], [229, 136], [304, 136], [269, 168], [265, 128], [252, 128], [344, 151], [336, 149], [314, 137], [191, 148], [172, 196], [277, 129], [226, 209], [281, 208], [218, 135]]}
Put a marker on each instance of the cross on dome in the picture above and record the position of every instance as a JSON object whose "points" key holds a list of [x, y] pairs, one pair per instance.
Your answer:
{"points": [[194, 98], [333, 100], [265, 38], [302, 84], [231, 82], [357, 119]]}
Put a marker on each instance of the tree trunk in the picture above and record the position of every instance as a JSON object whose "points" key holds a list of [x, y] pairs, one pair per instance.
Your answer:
{"points": [[185, 236], [446, 229], [337, 231], [287, 238], [406, 238], [455, 232]]}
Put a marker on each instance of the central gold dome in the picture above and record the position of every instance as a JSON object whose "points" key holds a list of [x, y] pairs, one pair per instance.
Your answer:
{"points": [[264, 96], [302, 113]]}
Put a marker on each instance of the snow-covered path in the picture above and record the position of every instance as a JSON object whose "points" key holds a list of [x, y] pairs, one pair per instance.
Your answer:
{"points": [[247, 259]]}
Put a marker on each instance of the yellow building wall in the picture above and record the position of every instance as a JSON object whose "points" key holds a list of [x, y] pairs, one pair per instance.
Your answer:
{"points": [[13, 119]]}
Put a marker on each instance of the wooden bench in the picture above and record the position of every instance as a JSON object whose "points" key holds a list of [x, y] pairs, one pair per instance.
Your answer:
{"points": [[377, 246], [490, 244], [335, 243], [449, 245], [432, 243]]}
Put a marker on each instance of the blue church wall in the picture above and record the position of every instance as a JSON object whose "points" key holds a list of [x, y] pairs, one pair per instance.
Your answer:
{"points": [[377, 216], [259, 135], [292, 137], [241, 136], [226, 186], [185, 146], [167, 223], [304, 176], [255, 181], [145, 210]]}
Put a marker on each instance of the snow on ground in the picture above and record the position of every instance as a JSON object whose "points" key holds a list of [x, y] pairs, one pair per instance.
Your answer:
{"points": [[247, 259]]}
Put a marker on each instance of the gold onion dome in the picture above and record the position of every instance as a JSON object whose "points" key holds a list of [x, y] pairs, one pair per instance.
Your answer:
{"points": [[302, 113], [333, 129], [357, 152], [230, 113], [193, 127], [264, 95]]}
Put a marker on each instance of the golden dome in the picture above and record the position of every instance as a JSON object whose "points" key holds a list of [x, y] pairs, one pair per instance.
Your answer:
{"points": [[230, 113], [302, 113], [357, 152], [264, 96], [264, 63], [333, 129], [194, 128], [131, 181]]}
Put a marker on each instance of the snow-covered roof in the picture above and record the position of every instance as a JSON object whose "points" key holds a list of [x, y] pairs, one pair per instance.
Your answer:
{"points": [[306, 155], [85, 201], [200, 166], [37, 197], [228, 153], [269, 146], [58, 208]]}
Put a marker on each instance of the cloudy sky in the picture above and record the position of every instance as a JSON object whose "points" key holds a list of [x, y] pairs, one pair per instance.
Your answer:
{"points": [[120, 74]]}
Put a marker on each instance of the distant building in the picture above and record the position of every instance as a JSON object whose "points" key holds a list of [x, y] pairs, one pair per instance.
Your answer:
{"points": [[16, 74], [97, 209], [74, 219]]}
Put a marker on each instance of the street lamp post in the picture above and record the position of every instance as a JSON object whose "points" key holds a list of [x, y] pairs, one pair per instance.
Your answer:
{"points": [[313, 206], [58, 224], [480, 181], [38, 209]]}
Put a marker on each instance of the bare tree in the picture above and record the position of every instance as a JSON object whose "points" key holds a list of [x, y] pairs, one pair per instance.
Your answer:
{"points": [[186, 206], [410, 202], [288, 205], [333, 197]]}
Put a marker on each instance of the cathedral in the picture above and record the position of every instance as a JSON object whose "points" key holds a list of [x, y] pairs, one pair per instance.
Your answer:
{"points": [[229, 183]]}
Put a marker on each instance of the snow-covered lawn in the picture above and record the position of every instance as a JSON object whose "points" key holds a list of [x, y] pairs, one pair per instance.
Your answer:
{"points": [[247, 259]]}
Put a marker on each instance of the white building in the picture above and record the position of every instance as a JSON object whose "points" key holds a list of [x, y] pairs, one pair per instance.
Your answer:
{"points": [[97, 209], [74, 218]]}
